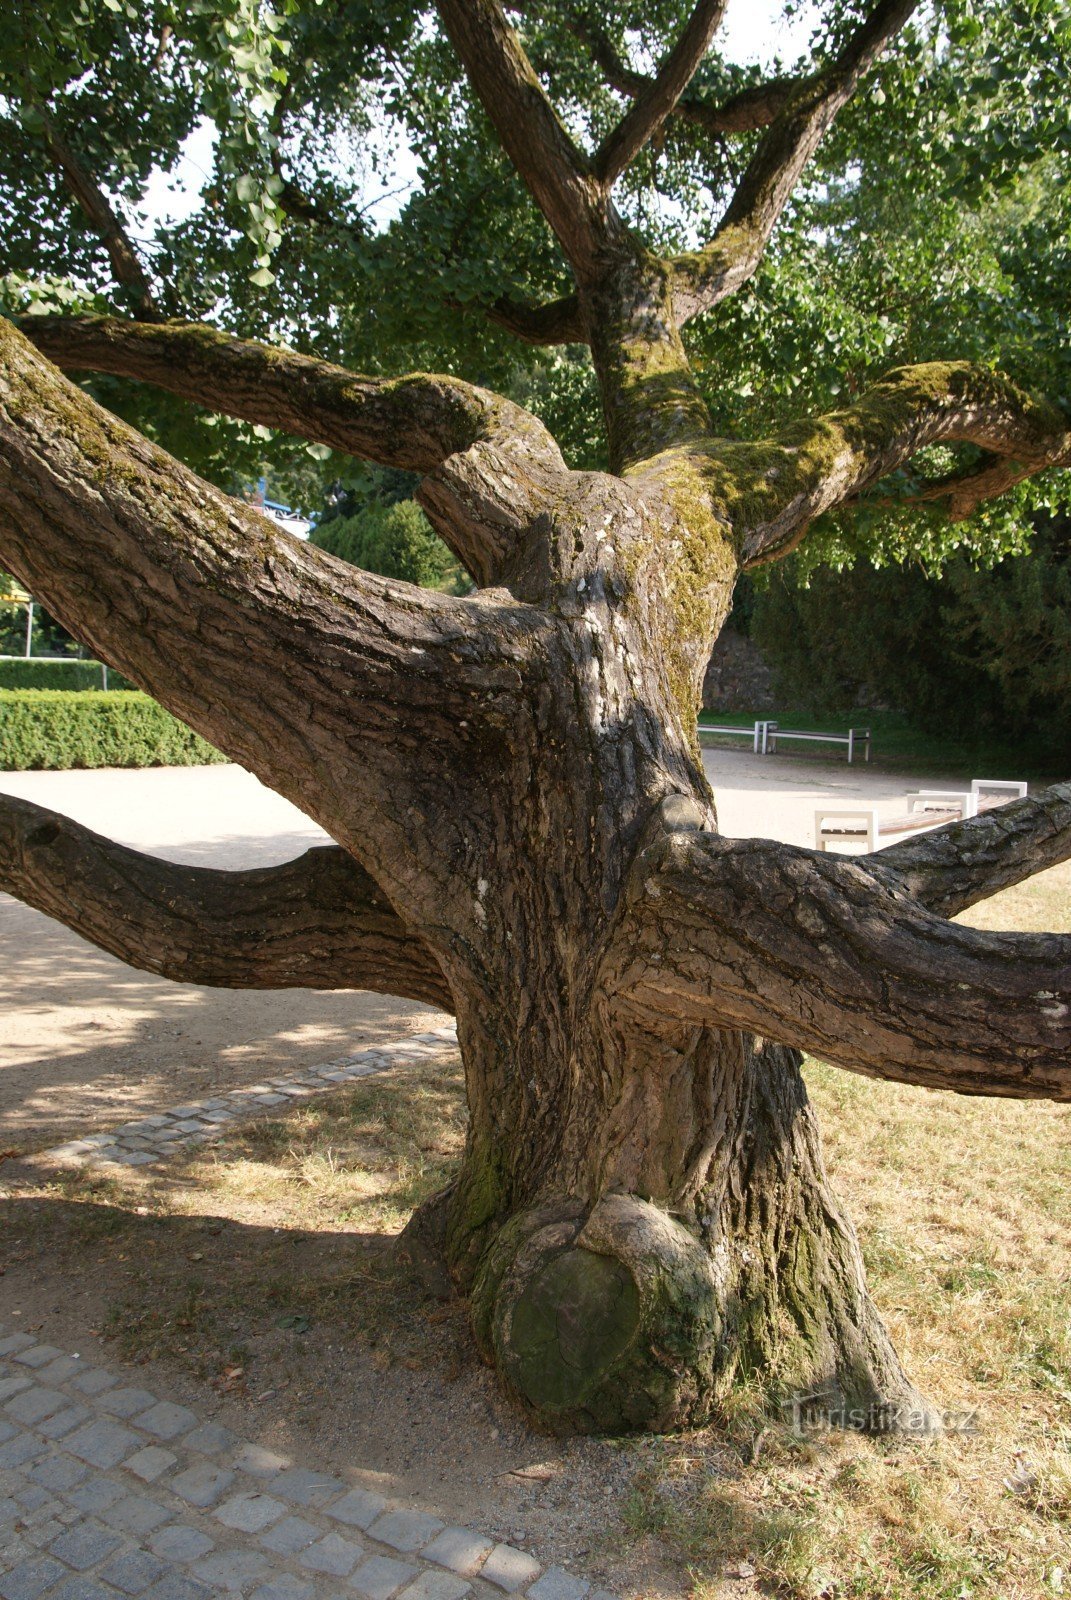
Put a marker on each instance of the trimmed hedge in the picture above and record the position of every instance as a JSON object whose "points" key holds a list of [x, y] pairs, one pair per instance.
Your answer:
{"points": [[58, 729], [62, 673]]}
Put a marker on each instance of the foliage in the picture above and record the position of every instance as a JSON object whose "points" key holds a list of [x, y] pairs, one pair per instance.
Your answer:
{"points": [[57, 729], [395, 540], [61, 673], [985, 649], [933, 222]]}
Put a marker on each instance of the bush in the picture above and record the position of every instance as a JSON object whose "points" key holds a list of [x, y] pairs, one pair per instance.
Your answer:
{"points": [[57, 729], [981, 649], [394, 540], [62, 673]]}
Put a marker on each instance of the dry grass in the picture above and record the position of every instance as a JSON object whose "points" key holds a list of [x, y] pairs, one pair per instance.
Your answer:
{"points": [[964, 1212], [223, 1260]]}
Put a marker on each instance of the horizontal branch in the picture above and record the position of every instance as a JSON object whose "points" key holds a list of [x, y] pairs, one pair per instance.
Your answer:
{"points": [[421, 422], [317, 922], [706, 276], [950, 868], [822, 953], [660, 95], [824, 462]]}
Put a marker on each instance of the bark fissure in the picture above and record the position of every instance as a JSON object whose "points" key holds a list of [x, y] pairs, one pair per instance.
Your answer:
{"points": [[317, 922], [514, 781]]}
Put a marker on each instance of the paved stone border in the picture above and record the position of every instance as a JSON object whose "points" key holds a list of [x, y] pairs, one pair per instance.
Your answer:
{"points": [[150, 1140], [107, 1491]]}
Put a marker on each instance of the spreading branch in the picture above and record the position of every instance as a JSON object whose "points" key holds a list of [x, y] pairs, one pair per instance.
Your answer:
{"points": [[823, 953], [101, 214], [706, 276], [558, 322], [557, 175], [743, 112], [317, 922], [489, 463], [658, 98], [338, 688], [824, 462], [948, 869]]}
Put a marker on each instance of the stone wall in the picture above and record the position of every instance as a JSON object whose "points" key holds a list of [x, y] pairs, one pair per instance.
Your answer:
{"points": [[737, 678]]}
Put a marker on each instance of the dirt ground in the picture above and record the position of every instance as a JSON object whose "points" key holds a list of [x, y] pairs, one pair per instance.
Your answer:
{"points": [[85, 1042], [196, 1271]]}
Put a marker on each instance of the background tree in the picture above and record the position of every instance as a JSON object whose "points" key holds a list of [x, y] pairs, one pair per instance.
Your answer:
{"points": [[525, 833], [982, 650]]}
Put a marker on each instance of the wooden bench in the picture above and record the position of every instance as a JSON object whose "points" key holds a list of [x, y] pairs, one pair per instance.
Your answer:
{"points": [[767, 744], [927, 808]]}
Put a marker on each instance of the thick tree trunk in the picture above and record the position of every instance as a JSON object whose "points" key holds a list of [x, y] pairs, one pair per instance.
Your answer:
{"points": [[641, 1216], [634, 1250]]}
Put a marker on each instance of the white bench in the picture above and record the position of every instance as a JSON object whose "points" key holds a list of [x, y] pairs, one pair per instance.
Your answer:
{"points": [[772, 731], [754, 733], [927, 808]]}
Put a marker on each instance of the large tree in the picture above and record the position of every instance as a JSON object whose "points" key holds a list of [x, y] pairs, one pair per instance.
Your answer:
{"points": [[525, 834]]}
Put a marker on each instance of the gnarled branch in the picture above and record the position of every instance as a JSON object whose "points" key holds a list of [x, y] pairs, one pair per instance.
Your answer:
{"points": [[337, 687], [816, 465], [824, 953], [557, 175], [950, 868], [421, 422], [317, 922], [86, 191], [706, 276], [660, 95]]}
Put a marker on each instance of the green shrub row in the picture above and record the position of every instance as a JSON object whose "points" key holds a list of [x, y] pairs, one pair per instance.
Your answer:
{"points": [[58, 729], [62, 673]]}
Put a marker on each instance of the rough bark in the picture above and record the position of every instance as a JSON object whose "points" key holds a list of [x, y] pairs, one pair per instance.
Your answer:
{"points": [[641, 1212], [951, 868], [491, 466], [821, 952], [318, 922]]}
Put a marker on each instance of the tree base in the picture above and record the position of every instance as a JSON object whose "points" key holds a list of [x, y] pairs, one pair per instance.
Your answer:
{"points": [[604, 1323], [618, 1316]]}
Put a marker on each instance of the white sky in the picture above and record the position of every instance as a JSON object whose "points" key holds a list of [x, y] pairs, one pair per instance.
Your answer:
{"points": [[754, 32]]}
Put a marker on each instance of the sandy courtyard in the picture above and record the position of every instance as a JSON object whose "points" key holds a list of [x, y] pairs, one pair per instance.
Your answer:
{"points": [[86, 1042]]}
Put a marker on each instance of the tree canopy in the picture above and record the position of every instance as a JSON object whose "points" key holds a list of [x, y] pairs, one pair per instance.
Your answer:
{"points": [[932, 219]]}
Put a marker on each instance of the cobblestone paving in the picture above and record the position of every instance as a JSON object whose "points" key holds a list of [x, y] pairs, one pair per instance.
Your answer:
{"points": [[153, 1139], [108, 1491]]}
